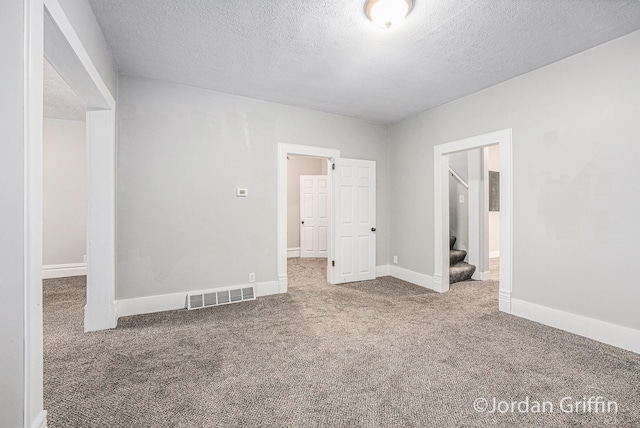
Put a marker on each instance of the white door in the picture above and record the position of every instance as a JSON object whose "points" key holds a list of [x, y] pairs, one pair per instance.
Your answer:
{"points": [[354, 190], [314, 216]]}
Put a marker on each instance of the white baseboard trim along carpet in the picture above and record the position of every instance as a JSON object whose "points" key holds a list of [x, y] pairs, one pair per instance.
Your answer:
{"points": [[293, 252], [62, 271], [382, 270], [40, 421], [173, 301], [602, 331], [416, 278]]}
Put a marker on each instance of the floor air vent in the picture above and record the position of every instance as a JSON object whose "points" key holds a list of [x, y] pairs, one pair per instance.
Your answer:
{"points": [[205, 299]]}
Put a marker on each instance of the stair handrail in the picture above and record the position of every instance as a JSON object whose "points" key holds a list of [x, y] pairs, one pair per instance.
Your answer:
{"points": [[457, 176]]}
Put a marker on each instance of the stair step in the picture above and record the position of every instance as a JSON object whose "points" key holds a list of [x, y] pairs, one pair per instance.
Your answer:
{"points": [[461, 271], [452, 241], [456, 256]]}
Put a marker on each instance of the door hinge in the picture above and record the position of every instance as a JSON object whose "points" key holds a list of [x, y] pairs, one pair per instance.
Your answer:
{"points": [[333, 166], [333, 263]]}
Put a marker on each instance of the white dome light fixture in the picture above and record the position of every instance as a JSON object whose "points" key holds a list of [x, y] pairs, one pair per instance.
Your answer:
{"points": [[387, 13]]}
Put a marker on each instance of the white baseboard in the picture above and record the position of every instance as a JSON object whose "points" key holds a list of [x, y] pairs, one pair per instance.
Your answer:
{"points": [[504, 301], [283, 283], [602, 331], [267, 288], [40, 421], [416, 278], [382, 270], [485, 275], [97, 318], [293, 252], [494, 254], [62, 271], [170, 302]]}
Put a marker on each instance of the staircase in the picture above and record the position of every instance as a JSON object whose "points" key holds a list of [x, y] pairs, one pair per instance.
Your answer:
{"points": [[459, 270]]}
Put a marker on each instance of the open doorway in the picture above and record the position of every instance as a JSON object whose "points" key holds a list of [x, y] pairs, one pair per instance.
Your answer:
{"points": [[64, 199], [352, 225], [308, 218], [308, 207], [474, 214], [64, 51], [478, 201], [295, 161]]}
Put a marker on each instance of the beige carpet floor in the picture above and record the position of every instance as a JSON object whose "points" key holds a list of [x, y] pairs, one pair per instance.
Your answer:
{"points": [[383, 353]]}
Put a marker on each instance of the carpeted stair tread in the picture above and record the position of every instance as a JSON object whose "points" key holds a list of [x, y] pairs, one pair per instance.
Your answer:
{"points": [[461, 271], [456, 256]]}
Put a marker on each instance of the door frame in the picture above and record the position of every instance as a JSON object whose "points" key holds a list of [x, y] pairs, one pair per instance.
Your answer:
{"points": [[285, 149], [66, 53], [441, 203]]}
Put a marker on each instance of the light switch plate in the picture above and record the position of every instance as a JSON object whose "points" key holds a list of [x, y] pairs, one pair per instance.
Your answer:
{"points": [[242, 192], [462, 199]]}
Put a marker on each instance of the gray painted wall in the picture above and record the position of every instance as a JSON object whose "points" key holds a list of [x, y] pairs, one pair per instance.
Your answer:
{"points": [[12, 215], [297, 166], [576, 145], [459, 213], [65, 192], [182, 152]]}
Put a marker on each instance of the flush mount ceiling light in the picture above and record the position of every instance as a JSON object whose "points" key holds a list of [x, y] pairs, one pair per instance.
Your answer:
{"points": [[387, 13]]}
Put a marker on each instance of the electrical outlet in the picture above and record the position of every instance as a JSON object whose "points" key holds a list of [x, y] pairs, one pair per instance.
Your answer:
{"points": [[395, 260], [462, 199], [84, 258], [252, 277]]}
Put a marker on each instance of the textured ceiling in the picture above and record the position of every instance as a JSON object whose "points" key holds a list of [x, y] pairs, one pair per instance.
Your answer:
{"points": [[60, 102], [326, 55]]}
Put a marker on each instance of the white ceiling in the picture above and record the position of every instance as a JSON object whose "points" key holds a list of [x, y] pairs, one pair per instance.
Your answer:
{"points": [[60, 102], [326, 55]]}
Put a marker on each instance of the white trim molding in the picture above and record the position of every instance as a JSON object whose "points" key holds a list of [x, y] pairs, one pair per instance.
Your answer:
{"points": [[416, 278], [293, 252], [64, 270], [175, 301], [602, 331], [382, 270], [40, 421], [282, 283], [504, 301], [32, 394]]}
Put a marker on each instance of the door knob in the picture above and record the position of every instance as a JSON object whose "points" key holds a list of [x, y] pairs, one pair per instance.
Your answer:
{"points": [[373, 229], [303, 222]]}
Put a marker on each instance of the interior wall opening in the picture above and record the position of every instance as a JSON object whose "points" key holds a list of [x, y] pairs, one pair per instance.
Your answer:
{"points": [[471, 157], [308, 214], [64, 179], [474, 214]]}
